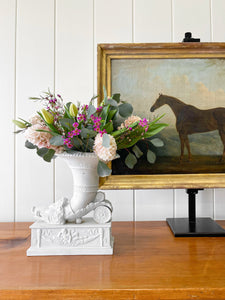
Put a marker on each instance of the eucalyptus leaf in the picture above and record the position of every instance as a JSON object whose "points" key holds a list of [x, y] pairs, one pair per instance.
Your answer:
{"points": [[151, 157], [105, 140], [87, 133], [57, 140], [157, 142], [67, 123], [49, 155], [89, 144], [137, 151], [125, 110], [103, 169], [42, 151], [77, 142], [116, 97], [91, 110], [130, 160], [29, 145], [111, 102]]}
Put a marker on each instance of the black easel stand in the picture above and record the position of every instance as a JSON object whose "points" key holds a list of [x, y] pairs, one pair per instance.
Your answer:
{"points": [[193, 226]]}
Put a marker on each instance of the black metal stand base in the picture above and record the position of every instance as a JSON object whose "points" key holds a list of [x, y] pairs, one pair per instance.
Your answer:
{"points": [[182, 227], [193, 226]]}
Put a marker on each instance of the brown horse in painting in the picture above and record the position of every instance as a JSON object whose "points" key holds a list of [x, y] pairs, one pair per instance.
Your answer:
{"points": [[190, 119]]}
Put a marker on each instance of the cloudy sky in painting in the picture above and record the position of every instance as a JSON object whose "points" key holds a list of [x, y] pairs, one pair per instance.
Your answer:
{"points": [[200, 82]]}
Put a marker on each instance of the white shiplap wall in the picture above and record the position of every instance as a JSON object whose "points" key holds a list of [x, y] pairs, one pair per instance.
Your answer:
{"points": [[52, 43]]}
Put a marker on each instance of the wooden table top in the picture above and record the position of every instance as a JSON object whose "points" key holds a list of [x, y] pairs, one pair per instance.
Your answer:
{"points": [[148, 263]]}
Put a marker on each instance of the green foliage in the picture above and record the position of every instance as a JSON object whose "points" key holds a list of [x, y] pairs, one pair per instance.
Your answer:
{"points": [[87, 133], [29, 145], [103, 169], [137, 151], [116, 97], [56, 140], [67, 123], [46, 154], [105, 140], [130, 161], [151, 157], [157, 142], [75, 127], [125, 110]]}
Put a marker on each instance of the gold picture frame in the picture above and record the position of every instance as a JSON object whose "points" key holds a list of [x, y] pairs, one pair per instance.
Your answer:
{"points": [[109, 52]]}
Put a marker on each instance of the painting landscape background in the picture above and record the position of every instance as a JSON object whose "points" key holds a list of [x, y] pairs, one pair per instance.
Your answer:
{"points": [[199, 82]]}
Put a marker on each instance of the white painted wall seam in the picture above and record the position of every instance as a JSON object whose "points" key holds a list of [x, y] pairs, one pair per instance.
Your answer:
{"points": [[133, 23], [211, 24], [172, 20], [54, 87], [14, 154]]}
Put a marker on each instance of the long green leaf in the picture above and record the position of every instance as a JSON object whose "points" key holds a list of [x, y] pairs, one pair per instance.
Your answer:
{"points": [[105, 95], [108, 127]]}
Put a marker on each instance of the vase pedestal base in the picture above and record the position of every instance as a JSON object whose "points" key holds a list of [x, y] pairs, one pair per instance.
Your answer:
{"points": [[87, 238]]}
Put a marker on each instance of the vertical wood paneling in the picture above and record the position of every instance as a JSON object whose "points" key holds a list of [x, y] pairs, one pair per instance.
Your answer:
{"points": [[191, 16], [7, 61], [218, 20], [113, 24], [122, 204], [219, 204], [153, 205], [34, 73], [152, 23], [74, 66], [113, 21], [80, 25]]}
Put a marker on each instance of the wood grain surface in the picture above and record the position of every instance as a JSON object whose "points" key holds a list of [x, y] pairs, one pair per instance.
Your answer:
{"points": [[148, 263]]}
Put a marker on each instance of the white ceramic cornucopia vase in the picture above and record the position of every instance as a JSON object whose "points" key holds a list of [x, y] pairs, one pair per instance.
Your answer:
{"points": [[86, 197], [83, 166]]}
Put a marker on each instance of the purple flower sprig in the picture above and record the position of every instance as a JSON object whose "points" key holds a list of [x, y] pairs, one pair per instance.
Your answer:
{"points": [[75, 132]]}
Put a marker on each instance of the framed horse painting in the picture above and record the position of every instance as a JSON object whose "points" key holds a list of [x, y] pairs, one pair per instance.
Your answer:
{"points": [[185, 82]]}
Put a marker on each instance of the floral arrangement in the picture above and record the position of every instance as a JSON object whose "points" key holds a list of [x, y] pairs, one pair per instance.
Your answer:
{"points": [[105, 130]]}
